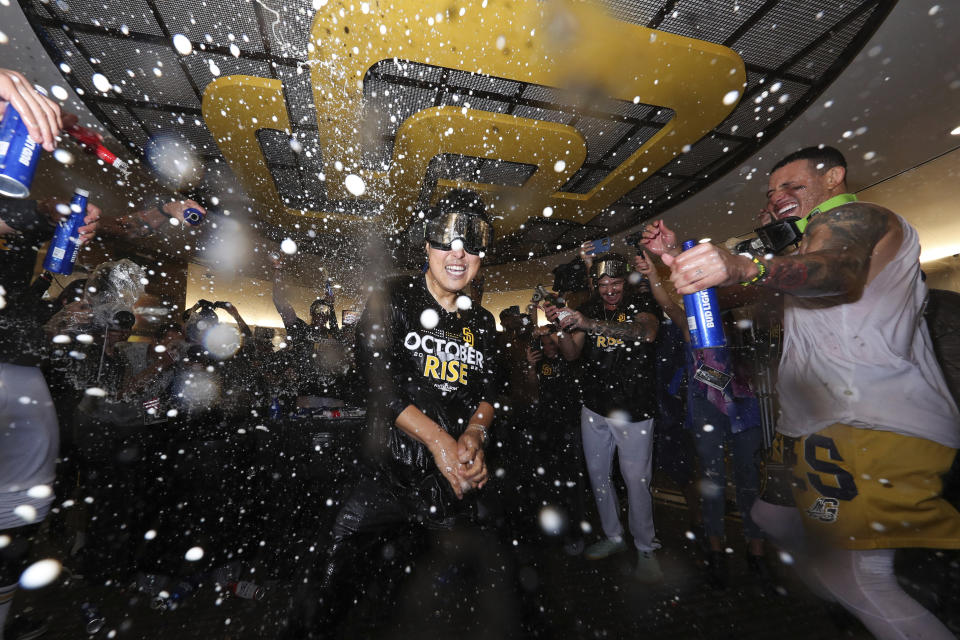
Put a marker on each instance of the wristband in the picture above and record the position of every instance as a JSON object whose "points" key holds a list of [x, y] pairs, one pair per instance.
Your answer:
{"points": [[483, 430], [761, 273]]}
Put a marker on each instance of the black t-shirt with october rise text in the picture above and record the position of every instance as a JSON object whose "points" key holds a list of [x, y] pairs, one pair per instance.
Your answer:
{"points": [[619, 375]]}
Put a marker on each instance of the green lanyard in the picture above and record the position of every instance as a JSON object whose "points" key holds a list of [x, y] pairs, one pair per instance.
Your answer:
{"points": [[832, 203]]}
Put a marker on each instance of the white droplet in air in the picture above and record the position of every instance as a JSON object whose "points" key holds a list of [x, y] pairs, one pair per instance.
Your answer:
{"points": [[870, 155], [934, 10], [731, 97], [501, 42], [40, 491], [193, 554], [4, 541], [288, 246], [464, 303], [60, 338], [559, 166], [40, 574], [101, 83], [457, 244], [355, 184], [214, 69], [4, 39], [59, 92], [429, 318], [63, 156], [708, 428], [234, 50], [955, 132], [786, 558], [182, 44], [174, 222], [319, 4], [26, 512], [222, 341], [150, 535], [551, 521], [547, 212], [296, 146], [64, 67], [96, 392]]}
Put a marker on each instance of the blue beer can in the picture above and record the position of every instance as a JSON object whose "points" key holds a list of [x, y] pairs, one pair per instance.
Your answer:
{"points": [[65, 245], [193, 216], [18, 155], [703, 315]]}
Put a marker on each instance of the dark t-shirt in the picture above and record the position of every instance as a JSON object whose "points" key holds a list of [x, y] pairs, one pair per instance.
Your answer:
{"points": [[617, 375], [559, 392], [21, 336], [444, 369], [322, 361]]}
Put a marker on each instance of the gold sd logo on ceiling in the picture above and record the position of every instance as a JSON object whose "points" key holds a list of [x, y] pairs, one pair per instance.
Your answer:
{"points": [[567, 45]]}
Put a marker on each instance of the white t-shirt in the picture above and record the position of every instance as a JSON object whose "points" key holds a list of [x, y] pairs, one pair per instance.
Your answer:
{"points": [[868, 363]]}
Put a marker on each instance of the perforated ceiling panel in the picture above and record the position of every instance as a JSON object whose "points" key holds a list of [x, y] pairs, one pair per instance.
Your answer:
{"points": [[791, 49]]}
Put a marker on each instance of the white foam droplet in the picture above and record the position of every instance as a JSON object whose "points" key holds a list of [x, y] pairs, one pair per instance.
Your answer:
{"points": [[457, 244], [547, 212], [193, 554], [150, 535], [60, 339], [464, 303], [59, 92], [501, 42], [551, 521], [288, 246], [96, 392], [40, 491], [85, 338], [355, 184], [214, 69], [101, 83], [182, 44], [559, 166], [708, 428], [234, 50], [40, 574], [429, 318], [731, 97], [26, 512]]}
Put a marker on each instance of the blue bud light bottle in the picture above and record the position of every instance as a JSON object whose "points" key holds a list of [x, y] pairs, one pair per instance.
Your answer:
{"points": [[193, 216], [18, 154], [703, 315], [65, 246]]}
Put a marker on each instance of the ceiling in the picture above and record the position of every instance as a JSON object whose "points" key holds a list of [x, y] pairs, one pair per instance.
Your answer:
{"points": [[585, 147], [790, 50]]}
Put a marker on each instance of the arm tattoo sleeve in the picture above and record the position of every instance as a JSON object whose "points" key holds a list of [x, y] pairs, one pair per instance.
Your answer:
{"points": [[842, 241], [637, 331]]}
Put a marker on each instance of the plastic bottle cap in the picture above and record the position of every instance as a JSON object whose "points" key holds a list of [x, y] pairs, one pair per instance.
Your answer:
{"points": [[82, 192]]}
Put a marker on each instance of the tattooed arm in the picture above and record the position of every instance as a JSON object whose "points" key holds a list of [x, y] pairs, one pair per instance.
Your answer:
{"points": [[841, 250], [836, 253], [642, 329]]}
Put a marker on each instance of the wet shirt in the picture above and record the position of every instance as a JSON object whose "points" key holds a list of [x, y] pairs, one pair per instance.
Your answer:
{"points": [[619, 375], [411, 351]]}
